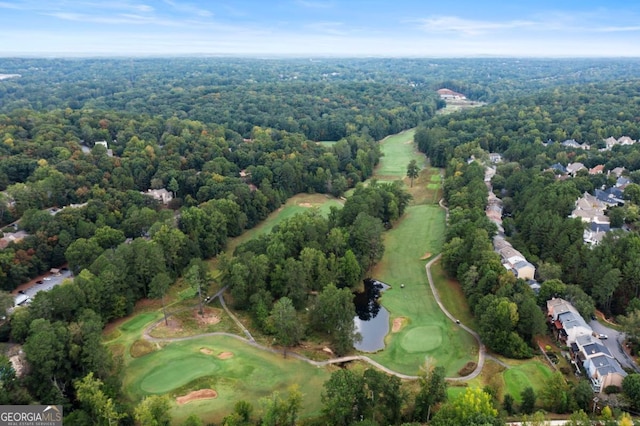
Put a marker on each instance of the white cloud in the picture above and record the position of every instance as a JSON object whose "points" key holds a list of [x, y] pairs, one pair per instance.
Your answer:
{"points": [[454, 24], [314, 4], [188, 8], [332, 28]]}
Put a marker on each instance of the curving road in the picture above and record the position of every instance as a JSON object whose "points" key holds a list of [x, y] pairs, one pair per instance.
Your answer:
{"points": [[251, 341], [481, 348]]}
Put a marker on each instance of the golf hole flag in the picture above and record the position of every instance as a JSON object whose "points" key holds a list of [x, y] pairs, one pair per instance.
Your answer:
{"points": [[30, 415]]}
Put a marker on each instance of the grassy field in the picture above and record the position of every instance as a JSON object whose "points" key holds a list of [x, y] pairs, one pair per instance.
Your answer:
{"points": [[243, 374]]}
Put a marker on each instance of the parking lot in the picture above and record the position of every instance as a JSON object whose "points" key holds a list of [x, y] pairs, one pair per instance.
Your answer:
{"points": [[43, 283]]}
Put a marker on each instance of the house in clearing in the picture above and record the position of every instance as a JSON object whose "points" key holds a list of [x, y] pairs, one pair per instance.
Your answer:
{"points": [[161, 195]]}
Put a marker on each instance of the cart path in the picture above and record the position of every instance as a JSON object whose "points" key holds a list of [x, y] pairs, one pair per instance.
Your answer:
{"points": [[251, 341]]}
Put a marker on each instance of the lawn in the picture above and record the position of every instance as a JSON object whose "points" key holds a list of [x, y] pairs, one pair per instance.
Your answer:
{"points": [[244, 374], [532, 373], [426, 330]]}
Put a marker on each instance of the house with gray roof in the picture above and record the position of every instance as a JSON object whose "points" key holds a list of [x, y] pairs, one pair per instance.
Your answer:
{"points": [[600, 366], [604, 371]]}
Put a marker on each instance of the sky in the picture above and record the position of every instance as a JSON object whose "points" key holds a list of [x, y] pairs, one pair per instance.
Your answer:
{"points": [[307, 28]]}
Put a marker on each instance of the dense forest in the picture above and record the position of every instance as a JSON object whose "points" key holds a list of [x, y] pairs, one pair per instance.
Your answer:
{"points": [[233, 139]]}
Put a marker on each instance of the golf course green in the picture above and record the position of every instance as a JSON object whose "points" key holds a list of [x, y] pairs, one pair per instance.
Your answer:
{"points": [[235, 370]]}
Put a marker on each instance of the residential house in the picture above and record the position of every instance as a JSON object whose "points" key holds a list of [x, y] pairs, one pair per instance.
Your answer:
{"points": [[513, 260], [572, 143], [617, 171], [610, 142], [12, 237], [604, 371], [574, 168], [106, 146], [161, 195], [591, 210], [559, 169], [524, 270], [600, 366], [567, 322], [622, 182], [610, 196], [494, 157], [597, 170]]}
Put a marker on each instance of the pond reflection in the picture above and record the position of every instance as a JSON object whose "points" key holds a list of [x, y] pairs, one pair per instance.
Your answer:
{"points": [[372, 319]]}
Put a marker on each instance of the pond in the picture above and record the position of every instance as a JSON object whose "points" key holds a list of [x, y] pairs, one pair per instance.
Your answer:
{"points": [[372, 319]]}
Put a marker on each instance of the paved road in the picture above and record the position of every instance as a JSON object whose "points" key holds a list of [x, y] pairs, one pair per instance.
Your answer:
{"points": [[481, 348], [614, 344]]}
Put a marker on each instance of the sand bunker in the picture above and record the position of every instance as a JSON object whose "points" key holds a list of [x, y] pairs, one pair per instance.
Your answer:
{"points": [[398, 323], [197, 395], [305, 205], [425, 256], [225, 355], [206, 351]]}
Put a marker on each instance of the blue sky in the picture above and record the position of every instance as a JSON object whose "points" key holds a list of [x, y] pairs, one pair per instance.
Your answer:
{"points": [[443, 28]]}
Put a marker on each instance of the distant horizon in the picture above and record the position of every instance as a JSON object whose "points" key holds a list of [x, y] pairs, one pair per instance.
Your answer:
{"points": [[320, 28], [256, 56]]}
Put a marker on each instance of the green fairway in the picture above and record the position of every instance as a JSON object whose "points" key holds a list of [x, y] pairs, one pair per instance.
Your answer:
{"points": [[137, 323], [247, 374], [296, 204], [530, 374], [426, 330], [398, 151]]}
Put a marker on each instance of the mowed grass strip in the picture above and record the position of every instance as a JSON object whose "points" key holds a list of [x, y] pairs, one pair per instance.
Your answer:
{"points": [[398, 151], [426, 331], [248, 374]]}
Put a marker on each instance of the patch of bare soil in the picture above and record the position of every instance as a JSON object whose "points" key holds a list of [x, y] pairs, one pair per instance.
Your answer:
{"points": [[210, 316], [398, 323], [425, 256], [197, 395], [305, 205], [206, 351], [225, 355], [171, 327]]}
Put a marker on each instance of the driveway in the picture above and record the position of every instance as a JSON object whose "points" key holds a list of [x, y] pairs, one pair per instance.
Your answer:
{"points": [[614, 344]]}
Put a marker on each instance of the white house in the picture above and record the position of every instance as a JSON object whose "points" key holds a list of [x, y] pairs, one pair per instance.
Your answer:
{"points": [[161, 195]]}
